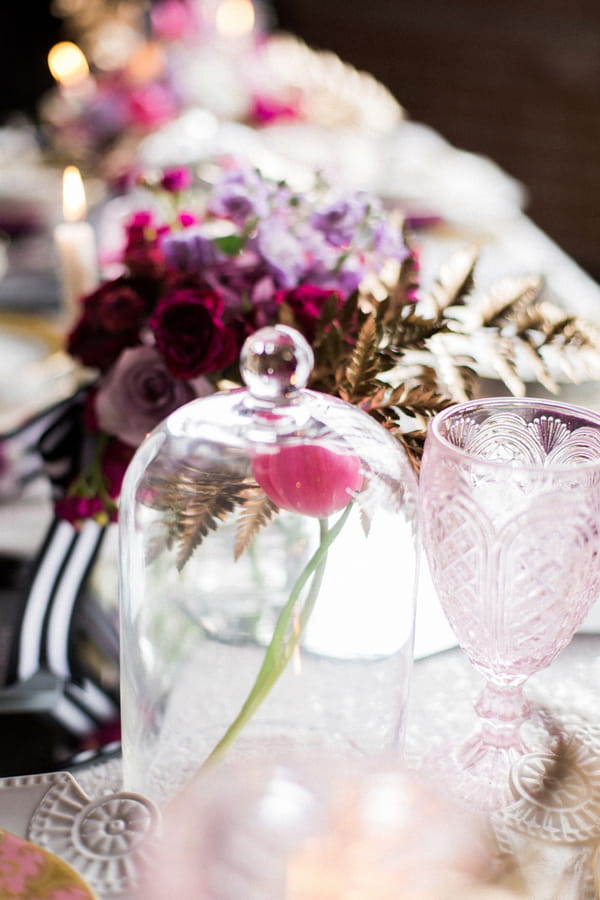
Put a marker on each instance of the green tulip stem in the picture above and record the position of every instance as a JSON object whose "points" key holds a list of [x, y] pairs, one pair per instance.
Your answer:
{"points": [[284, 640]]}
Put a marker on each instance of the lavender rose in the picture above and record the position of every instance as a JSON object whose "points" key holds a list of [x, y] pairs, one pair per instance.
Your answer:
{"points": [[138, 393]]}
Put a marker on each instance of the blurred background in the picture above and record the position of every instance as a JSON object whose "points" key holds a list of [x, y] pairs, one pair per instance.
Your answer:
{"points": [[519, 82]]}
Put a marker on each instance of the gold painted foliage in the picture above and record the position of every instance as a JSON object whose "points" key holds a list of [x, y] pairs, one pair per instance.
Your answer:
{"points": [[400, 360]]}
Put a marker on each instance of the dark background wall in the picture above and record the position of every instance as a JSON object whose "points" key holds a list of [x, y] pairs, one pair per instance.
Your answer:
{"points": [[27, 31], [517, 80]]}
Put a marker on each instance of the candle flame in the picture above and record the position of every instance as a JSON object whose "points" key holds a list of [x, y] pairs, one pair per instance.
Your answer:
{"points": [[74, 204], [68, 64], [235, 18]]}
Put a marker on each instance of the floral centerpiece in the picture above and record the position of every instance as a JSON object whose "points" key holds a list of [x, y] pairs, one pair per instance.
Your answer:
{"points": [[216, 265], [171, 326]]}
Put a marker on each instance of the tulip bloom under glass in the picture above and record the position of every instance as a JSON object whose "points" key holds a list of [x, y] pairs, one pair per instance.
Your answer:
{"points": [[268, 577]]}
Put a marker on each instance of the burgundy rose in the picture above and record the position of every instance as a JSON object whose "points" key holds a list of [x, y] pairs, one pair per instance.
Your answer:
{"points": [[306, 303], [138, 393], [190, 332], [119, 308], [111, 320]]}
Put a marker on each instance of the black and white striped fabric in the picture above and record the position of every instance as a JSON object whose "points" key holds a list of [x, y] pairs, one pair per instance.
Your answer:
{"points": [[45, 671]]}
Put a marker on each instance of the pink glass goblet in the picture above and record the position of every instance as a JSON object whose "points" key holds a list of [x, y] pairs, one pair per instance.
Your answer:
{"points": [[510, 509]]}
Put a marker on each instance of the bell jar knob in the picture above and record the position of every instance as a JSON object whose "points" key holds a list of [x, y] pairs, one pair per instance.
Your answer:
{"points": [[275, 362]]}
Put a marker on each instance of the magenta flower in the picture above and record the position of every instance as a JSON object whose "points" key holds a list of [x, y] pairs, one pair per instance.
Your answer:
{"points": [[176, 180], [306, 303], [143, 253], [76, 509], [137, 394], [308, 478], [266, 109]]}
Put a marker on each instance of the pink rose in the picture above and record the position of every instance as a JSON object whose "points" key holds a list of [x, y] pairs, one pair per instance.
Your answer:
{"points": [[137, 394], [308, 479], [190, 333]]}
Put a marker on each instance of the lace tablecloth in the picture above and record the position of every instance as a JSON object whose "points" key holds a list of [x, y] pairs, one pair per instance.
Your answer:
{"points": [[560, 837]]}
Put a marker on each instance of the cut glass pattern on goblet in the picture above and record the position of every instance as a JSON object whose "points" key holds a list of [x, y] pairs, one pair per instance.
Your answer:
{"points": [[510, 503]]}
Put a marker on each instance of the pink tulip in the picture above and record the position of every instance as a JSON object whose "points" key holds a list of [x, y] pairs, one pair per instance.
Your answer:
{"points": [[308, 478]]}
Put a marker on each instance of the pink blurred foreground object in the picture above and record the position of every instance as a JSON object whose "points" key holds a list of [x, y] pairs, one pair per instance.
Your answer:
{"points": [[317, 829]]}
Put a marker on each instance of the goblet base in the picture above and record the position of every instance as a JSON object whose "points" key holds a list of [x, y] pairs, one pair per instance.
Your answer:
{"points": [[477, 773]]}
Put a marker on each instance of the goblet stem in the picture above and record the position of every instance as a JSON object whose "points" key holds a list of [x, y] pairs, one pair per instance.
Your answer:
{"points": [[502, 710], [486, 759]]}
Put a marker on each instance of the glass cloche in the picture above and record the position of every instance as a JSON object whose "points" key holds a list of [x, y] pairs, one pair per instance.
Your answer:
{"points": [[268, 577]]}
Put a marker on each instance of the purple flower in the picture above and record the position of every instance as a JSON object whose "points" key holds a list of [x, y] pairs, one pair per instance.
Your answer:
{"points": [[388, 241], [283, 252], [242, 281], [137, 394], [339, 221], [189, 250], [240, 196]]}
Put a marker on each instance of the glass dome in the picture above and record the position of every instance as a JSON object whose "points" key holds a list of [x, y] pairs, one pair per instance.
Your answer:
{"points": [[268, 577]]}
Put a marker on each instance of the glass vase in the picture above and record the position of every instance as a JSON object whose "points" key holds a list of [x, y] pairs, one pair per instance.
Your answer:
{"points": [[268, 577]]}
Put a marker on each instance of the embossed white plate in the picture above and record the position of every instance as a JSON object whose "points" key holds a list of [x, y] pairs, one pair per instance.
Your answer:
{"points": [[105, 839]]}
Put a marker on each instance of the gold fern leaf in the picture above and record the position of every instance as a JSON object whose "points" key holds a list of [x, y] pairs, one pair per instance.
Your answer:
{"points": [[362, 369], [257, 512], [455, 280], [506, 296], [195, 502]]}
